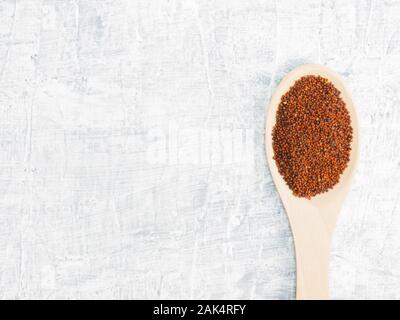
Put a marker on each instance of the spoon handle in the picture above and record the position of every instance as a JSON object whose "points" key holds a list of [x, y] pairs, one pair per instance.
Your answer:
{"points": [[312, 240], [312, 263]]}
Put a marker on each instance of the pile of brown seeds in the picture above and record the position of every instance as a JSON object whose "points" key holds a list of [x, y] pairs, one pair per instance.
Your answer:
{"points": [[312, 136]]}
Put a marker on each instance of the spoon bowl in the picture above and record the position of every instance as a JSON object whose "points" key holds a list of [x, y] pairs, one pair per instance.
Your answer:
{"points": [[312, 220]]}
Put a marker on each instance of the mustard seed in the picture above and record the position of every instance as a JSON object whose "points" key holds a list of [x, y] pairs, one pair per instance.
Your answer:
{"points": [[312, 136]]}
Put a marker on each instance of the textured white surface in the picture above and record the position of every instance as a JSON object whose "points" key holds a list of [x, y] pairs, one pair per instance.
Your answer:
{"points": [[104, 108]]}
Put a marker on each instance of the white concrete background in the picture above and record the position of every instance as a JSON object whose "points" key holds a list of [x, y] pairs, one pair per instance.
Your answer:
{"points": [[89, 90]]}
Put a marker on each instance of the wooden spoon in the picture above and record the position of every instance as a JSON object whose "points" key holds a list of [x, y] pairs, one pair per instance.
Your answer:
{"points": [[312, 221]]}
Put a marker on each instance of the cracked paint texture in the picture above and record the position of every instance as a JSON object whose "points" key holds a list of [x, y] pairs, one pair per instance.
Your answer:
{"points": [[121, 121]]}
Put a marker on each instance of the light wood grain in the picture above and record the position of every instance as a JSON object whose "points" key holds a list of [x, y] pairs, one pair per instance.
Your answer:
{"points": [[312, 220]]}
